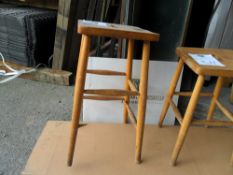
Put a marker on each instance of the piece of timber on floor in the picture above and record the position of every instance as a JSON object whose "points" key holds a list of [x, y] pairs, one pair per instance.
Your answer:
{"points": [[48, 75]]}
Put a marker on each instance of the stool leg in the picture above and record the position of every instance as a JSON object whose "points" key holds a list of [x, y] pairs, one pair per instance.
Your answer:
{"points": [[171, 91], [142, 99], [78, 94], [187, 118], [216, 94], [128, 76]]}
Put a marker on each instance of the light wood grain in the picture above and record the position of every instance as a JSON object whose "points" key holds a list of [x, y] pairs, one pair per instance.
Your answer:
{"points": [[188, 94], [225, 111], [54, 76], [78, 94], [187, 119], [111, 92], [176, 112], [115, 31], [132, 86], [171, 90], [105, 98], [131, 115], [223, 55], [129, 65], [106, 72], [142, 99], [216, 94]]}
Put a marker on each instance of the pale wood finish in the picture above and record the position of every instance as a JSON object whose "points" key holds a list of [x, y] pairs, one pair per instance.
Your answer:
{"points": [[115, 31], [176, 111], [223, 55], [105, 98], [132, 86], [225, 111], [216, 94], [89, 29], [129, 65], [106, 72], [188, 94], [142, 99], [171, 91], [111, 92], [47, 75], [131, 115], [78, 94], [187, 119]]}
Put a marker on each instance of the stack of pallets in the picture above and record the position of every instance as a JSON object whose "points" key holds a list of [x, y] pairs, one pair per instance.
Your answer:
{"points": [[26, 34]]}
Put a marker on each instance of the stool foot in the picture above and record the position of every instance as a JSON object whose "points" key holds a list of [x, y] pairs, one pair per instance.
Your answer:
{"points": [[69, 163], [138, 161], [173, 163]]}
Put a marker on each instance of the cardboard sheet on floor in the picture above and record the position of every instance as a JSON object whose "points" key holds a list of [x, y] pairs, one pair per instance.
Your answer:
{"points": [[104, 149]]}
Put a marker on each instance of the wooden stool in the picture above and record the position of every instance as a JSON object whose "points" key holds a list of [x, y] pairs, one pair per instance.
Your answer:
{"points": [[226, 58], [89, 29]]}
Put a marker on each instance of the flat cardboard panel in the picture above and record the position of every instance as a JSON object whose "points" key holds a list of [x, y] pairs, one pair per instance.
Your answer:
{"points": [[104, 149], [160, 74]]}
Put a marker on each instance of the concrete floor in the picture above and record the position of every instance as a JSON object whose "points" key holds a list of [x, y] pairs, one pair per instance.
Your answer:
{"points": [[26, 106]]}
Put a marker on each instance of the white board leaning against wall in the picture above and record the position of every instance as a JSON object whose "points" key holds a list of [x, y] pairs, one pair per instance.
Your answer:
{"points": [[160, 74]]}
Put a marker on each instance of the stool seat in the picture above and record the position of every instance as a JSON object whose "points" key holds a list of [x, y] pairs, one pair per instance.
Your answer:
{"points": [[94, 28], [222, 55]]}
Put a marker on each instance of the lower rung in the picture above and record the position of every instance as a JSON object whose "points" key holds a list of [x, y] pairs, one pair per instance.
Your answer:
{"points": [[106, 72], [89, 97], [111, 92], [212, 123]]}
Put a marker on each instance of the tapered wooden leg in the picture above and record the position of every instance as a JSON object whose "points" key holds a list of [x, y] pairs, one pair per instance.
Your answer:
{"points": [[142, 99], [187, 118], [171, 91], [78, 94], [128, 76], [216, 94]]}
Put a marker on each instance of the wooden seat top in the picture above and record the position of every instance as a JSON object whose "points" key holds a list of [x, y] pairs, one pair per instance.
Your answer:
{"points": [[224, 56], [94, 28]]}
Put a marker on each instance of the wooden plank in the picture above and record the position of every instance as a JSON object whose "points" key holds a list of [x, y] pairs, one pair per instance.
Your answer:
{"points": [[59, 77], [67, 42], [225, 111], [106, 72], [111, 92], [188, 94]]}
